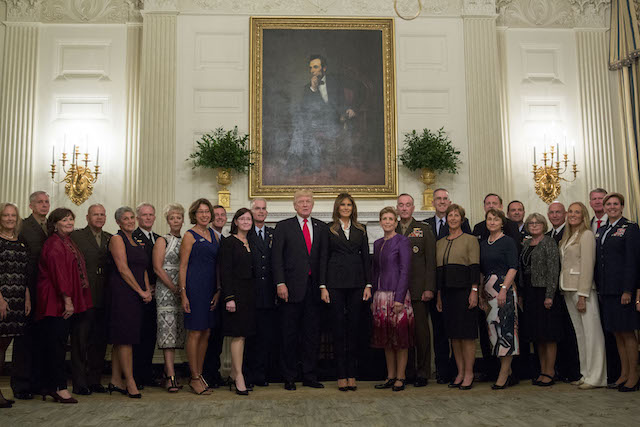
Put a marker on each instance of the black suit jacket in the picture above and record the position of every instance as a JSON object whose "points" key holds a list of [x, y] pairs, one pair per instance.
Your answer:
{"points": [[617, 259], [291, 261], [34, 237], [558, 236], [444, 232], [349, 263], [97, 260], [261, 252], [142, 239]]}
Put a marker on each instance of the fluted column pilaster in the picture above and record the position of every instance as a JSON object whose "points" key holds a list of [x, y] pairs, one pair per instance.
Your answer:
{"points": [[17, 111], [596, 111], [486, 151], [132, 143], [156, 174]]}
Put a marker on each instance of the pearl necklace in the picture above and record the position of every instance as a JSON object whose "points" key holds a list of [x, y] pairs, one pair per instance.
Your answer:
{"points": [[491, 243], [7, 236]]}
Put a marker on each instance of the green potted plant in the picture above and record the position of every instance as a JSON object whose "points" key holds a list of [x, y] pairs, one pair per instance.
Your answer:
{"points": [[225, 150], [431, 152]]}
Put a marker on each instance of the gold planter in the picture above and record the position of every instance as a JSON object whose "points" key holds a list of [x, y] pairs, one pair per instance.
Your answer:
{"points": [[224, 195], [429, 179]]}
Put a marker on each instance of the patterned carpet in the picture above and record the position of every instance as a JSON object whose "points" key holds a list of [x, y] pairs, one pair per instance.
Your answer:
{"points": [[522, 405]]}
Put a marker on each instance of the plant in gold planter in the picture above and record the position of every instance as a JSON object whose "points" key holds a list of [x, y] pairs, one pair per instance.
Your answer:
{"points": [[431, 152], [224, 150]]}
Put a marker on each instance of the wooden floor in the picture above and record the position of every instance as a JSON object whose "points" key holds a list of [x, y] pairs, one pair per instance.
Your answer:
{"points": [[522, 405]]}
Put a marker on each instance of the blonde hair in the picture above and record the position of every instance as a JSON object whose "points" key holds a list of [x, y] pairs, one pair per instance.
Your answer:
{"points": [[303, 192], [538, 217], [571, 230], [16, 230], [173, 207]]}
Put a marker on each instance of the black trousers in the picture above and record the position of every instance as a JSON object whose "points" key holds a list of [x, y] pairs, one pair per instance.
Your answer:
{"points": [[88, 346], [54, 334], [299, 324], [212, 362], [143, 352], [445, 364], [568, 360], [258, 352], [25, 376], [345, 312], [422, 361]]}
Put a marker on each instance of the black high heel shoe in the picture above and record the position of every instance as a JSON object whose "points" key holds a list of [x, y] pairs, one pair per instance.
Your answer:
{"points": [[387, 384], [400, 387], [455, 385], [238, 392], [466, 387], [58, 398], [625, 389], [507, 383], [134, 396], [111, 388]]}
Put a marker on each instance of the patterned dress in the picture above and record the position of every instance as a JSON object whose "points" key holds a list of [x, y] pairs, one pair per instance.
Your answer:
{"points": [[14, 259], [170, 332]]}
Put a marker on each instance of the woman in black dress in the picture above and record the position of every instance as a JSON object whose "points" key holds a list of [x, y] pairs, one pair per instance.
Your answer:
{"points": [[15, 301], [458, 261], [238, 289], [539, 273], [129, 286], [617, 282], [348, 284], [499, 265]]}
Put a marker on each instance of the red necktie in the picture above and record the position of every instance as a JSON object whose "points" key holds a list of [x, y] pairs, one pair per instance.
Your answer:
{"points": [[307, 235], [599, 222]]}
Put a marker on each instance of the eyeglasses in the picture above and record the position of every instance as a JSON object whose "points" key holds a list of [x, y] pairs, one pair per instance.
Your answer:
{"points": [[534, 223]]}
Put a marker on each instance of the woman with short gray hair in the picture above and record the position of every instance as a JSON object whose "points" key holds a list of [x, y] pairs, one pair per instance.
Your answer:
{"points": [[540, 269]]}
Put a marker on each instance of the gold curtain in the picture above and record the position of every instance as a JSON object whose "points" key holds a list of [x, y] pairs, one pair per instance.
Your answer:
{"points": [[624, 50]]}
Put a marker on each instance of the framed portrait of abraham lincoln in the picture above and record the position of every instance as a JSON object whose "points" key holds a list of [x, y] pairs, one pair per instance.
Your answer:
{"points": [[323, 112]]}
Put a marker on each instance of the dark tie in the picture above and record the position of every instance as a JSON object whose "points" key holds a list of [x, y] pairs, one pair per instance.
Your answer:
{"points": [[555, 233], [440, 230], [260, 234]]}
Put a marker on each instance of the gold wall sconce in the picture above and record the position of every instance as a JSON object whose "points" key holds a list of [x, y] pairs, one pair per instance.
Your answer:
{"points": [[78, 179], [547, 177]]}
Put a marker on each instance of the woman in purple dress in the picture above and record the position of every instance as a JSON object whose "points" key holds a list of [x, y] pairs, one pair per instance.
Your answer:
{"points": [[393, 320]]}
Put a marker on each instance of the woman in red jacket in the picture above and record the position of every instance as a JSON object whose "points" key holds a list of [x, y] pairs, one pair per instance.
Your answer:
{"points": [[63, 289]]}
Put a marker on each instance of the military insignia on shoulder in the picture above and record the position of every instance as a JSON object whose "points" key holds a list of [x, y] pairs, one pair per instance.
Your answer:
{"points": [[416, 249]]}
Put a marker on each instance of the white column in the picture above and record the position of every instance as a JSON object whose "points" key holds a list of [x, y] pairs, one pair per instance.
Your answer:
{"points": [[486, 152], [132, 150], [17, 111], [596, 114], [156, 182]]}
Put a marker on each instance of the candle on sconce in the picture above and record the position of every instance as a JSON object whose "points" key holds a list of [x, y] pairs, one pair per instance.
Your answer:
{"points": [[73, 155], [574, 155], [53, 155], [98, 157], [534, 154]]}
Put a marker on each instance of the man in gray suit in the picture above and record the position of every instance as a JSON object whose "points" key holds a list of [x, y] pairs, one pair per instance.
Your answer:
{"points": [[89, 329]]}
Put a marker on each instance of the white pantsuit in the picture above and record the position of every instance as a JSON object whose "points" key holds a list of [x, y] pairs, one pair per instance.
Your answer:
{"points": [[578, 255], [590, 339]]}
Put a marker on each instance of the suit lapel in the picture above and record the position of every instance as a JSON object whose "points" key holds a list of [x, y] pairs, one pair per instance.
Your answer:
{"points": [[92, 238]]}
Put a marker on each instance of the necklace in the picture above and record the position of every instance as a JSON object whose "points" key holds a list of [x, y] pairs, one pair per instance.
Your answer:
{"points": [[7, 236], [496, 239]]}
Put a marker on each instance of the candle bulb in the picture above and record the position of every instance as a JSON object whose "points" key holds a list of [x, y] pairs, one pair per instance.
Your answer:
{"points": [[534, 155], [73, 155], [574, 155], [98, 157], [53, 154]]}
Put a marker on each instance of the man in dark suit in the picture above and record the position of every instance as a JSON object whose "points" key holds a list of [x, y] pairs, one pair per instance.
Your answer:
{"points": [[596, 198], [325, 117], [143, 352], [212, 363], [516, 213], [25, 373], [445, 364], [300, 255], [259, 346], [568, 359], [89, 329], [422, 282], [490, 363]]}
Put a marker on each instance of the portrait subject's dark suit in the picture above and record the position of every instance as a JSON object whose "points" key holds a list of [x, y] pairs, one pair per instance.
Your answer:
{"points": [[422, 277], [260, 347], [89, 329], [568, 359], [143, 352], [348, 272], [302, 272], [443, 358], [25, 375]]}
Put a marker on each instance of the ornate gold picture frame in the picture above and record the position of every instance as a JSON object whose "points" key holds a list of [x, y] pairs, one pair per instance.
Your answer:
{"points": [[323, 107]]}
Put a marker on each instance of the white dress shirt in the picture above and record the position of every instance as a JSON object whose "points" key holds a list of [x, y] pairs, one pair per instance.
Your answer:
{"points": [[594, 222], [149, 235], [347, 230]]}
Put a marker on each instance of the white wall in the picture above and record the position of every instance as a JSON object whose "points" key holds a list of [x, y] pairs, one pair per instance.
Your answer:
{"points": [[213, 60], [81, 94], [543, 99]]}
